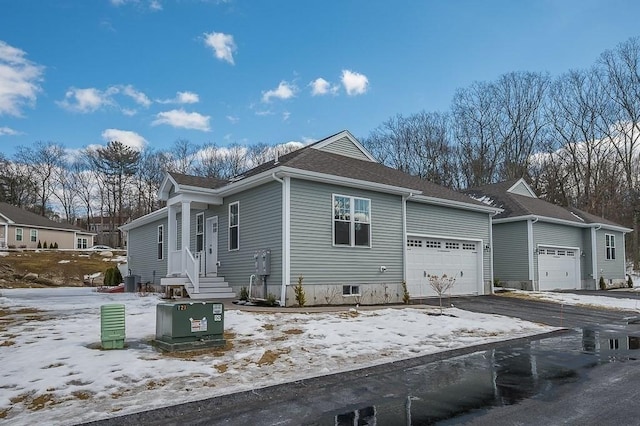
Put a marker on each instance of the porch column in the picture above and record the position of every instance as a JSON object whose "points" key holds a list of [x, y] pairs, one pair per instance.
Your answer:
{"points": [[186, 230], [172, 235]]}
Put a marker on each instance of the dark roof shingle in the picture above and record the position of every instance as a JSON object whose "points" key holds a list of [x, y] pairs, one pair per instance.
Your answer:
{"points": [[23, 217]]}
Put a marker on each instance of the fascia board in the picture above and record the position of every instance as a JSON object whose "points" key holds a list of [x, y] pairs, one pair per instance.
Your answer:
{"points": [[143, 220], [456, 204]]}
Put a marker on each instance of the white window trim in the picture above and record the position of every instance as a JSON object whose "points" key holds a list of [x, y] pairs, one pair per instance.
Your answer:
{"points": [[607, 247], [352, 221], [82, 243], [21, 235], [160, 242], [33, 235], [351, 293], [199, 215], [237, 225]]}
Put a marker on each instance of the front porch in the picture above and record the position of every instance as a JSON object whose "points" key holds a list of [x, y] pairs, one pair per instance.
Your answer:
{"points": [[192, 259]]}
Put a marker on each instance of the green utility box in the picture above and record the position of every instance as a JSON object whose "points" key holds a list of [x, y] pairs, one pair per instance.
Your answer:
{"points": [[189, 325], [112, 326]]}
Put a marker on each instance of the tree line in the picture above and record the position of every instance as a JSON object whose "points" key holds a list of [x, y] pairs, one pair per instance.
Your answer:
{"points": [[575, 138]]}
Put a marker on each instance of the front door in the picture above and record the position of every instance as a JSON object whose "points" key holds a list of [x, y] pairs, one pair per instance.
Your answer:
{"points": [[211, 252]]}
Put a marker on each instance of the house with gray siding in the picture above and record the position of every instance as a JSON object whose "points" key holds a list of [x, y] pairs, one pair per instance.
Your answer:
{"points": [[538, 245], [328, 215]]}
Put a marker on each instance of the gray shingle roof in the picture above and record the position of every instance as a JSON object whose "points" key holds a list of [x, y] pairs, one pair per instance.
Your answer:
{"points": [[515, 205], [198, 181], [23, 217]]}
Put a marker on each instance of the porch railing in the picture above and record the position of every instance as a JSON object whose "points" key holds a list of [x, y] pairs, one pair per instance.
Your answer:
{"points": [[192, 267]]}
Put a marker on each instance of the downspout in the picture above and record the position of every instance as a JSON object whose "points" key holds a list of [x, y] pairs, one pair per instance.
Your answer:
{"points": [[594, 255], [491, 250], [530, 223], [624, 257], [286, 230]]}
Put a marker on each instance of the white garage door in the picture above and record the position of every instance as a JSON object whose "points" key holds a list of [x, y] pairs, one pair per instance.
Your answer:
{"points": [[558, 268], [429, 256]]}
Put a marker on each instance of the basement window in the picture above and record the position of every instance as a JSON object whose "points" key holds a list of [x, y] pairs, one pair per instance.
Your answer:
{"points": [[351, 290]]}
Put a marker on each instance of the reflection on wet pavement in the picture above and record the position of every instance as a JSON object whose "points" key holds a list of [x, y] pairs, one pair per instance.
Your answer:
{"points": [[456, 390]]}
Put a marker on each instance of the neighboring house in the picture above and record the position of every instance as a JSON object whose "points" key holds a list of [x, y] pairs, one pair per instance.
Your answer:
{"points": [[351, 228], [538, 245], [22, 229], [106, 229]]}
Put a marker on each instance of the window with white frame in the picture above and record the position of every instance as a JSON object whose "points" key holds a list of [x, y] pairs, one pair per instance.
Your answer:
{"points": [[19, 234], [33, 234], [160, 242], [351, 221], [234, 226], [610, 245], [351, 290], [82, 243], [199, 232]]}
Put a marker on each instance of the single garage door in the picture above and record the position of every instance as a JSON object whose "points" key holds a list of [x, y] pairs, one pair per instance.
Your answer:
{"points": [[558, 268], [430, 256]]}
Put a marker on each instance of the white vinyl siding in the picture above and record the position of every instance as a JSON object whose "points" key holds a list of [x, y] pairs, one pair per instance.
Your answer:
{"points": [[234, 226], [610, 246]]}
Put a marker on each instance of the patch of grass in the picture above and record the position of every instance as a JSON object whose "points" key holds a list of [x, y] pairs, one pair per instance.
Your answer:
{"points": [[152, 384], [8, 343], [4, 412], [54, 365], [267, 326], [293, 331], [269, 357], [82, 395], [222, 368], [41, 401]]}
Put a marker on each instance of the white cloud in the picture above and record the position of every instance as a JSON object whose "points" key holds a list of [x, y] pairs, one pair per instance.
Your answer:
{"points": [[128, 138], [92, 99], [222, 45], [139, 97], [286, 115], [155, 5], [7, 131], [233, 119], [182, 98], [284, 90], [19, 80], [181, 118], [354, 83], [85, 100], [320, 87]]}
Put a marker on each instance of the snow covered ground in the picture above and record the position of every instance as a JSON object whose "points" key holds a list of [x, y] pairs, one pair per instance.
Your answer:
{"points": [[584, 300], [53, 371]]}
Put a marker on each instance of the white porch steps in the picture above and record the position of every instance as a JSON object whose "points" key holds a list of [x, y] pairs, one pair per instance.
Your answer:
{"points": [[211, 288]]}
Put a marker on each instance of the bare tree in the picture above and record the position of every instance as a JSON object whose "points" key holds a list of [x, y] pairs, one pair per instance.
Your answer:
{"points": [[42, 160]]}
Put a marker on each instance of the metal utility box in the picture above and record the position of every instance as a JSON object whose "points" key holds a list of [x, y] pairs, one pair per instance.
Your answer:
{"points": [[112, 326], [189, 325], [262, 262]]}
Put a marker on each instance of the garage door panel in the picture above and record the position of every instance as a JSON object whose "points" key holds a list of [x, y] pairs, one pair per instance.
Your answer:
{"points": [[439, 257], [558, 268]]}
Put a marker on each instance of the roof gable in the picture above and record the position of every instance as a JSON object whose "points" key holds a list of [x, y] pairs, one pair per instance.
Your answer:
{"points": [[344, 143], [521, 187]]}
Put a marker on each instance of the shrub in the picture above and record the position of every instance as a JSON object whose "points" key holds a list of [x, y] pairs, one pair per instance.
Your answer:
{"points": [[39, 244], [50, 245], [55, 245], [244, 293], [629, 281], [44, 245], [441, 285], [112, 276], [496, 282], [299, 290], [406, 297], [602, 284], [271, 299]]}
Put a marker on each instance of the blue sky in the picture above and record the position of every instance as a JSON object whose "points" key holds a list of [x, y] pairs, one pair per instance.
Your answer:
{"points": [[149, 72]]}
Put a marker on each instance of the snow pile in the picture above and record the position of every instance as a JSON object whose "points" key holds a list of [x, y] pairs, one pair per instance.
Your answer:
{"points": [[53, 372], [582, 299]]}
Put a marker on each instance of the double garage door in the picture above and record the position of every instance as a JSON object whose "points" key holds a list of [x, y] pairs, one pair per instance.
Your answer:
{"points": [[558, 268], [431, 256]]}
